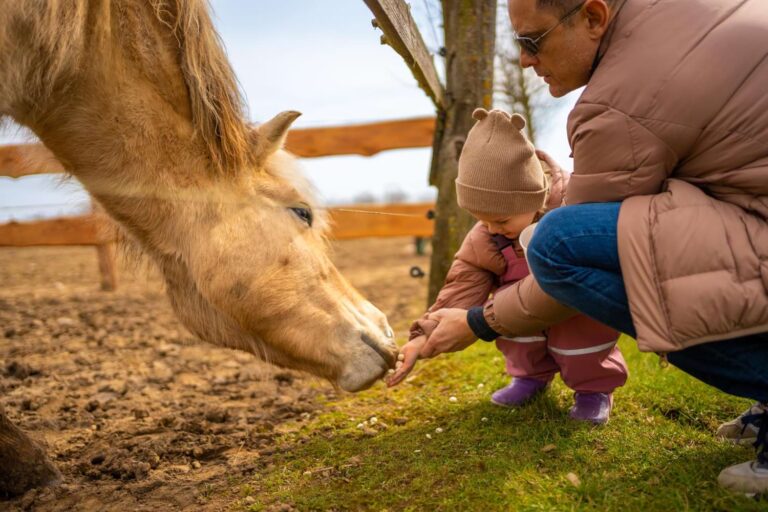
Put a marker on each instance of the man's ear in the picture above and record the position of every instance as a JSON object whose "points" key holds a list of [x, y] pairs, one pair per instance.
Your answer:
{"points": [[597, 14]]}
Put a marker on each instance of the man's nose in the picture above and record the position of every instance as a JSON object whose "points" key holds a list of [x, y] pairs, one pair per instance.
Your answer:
{"points": [[527, 60]]}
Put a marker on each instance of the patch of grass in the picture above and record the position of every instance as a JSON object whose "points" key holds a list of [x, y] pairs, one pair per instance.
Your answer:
{"points": [[657, 453]]}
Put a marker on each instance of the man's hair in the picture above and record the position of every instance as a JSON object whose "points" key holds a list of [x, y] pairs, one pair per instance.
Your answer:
{"points": [[560, 7]]}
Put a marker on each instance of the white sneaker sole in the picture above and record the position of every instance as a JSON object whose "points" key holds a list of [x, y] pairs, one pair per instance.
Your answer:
{"points": [[744, 478], [740, 441]]}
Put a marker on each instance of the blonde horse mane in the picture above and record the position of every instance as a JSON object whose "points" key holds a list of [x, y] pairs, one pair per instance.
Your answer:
{"points": [[216, 102], [61, 29]]}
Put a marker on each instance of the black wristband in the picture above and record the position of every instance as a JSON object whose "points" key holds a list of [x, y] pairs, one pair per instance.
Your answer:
{"points": [[479, 325]]}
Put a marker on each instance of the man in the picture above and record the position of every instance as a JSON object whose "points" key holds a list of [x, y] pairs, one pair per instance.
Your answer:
{"points": [[665, 236]]}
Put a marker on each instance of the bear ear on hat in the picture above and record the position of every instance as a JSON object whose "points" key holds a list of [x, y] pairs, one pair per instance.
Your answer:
{"points": [[479, 114], [518, 121]]}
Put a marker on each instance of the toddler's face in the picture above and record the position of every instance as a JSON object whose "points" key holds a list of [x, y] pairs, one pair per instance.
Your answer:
{"points": [[509, 226]]}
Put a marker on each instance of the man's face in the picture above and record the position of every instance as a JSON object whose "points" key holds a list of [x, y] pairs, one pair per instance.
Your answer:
{"points": [[566, 54]]}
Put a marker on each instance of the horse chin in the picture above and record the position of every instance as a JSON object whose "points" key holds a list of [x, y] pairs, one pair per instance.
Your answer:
{"points": [[365, 369], [357, 381]]}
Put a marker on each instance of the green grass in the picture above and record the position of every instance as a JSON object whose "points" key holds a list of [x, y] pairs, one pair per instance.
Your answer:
{"points": [[657, 453]]}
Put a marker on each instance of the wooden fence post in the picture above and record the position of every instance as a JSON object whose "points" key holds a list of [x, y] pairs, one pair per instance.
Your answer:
{"points": [[470, 40], [107, 267], [470, 37], [105, 252]]}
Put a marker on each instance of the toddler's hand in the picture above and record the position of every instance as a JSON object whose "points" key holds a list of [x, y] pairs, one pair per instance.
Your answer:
{"points": [[410, 352]]}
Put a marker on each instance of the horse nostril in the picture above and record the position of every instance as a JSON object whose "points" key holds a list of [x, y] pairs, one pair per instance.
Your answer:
{"points": [[385, 354]]}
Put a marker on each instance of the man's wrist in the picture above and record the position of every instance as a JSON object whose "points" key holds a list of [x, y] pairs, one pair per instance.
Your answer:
{"points": [[478, 324]]}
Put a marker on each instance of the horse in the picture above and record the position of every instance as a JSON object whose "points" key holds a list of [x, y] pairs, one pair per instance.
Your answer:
{"points": [[137, 100]]}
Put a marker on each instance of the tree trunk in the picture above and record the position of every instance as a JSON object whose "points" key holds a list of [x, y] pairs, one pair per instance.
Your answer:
{"points": [[470, 33], [23, 463]]}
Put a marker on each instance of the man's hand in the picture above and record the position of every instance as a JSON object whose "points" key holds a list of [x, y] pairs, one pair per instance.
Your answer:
{"points": [[452, 333]]}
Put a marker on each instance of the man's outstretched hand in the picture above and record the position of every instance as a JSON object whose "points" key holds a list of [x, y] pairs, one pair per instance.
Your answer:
{"points": [[452, 333]]}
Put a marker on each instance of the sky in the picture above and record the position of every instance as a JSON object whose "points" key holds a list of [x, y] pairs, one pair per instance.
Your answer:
{"points": [[324, 59]]}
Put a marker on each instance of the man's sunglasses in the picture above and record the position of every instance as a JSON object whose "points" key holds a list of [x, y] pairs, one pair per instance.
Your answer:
{"points": [[531, 45]]}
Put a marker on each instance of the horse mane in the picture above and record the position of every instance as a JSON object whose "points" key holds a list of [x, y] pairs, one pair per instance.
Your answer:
{"points": [[60, 30], [215, 99]]}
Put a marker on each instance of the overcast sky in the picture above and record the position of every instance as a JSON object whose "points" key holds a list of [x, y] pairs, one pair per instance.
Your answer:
{"points": [[324, 59]]}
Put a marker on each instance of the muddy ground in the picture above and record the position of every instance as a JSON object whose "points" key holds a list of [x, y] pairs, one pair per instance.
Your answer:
{"points": [[135, 412]]}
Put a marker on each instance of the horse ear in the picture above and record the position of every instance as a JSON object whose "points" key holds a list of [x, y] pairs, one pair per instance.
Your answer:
{"points": [[270, 136]]}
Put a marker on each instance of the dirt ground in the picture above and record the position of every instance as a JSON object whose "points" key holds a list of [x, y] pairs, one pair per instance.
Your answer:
{"points": [[135, 412]]}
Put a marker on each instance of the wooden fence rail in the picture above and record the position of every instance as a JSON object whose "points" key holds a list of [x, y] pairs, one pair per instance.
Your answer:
{"points": [[84, 230], [381, 220], [17, 160]]}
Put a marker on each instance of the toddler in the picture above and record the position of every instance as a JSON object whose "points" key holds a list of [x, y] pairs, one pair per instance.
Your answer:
{"points": [[503, 183]]}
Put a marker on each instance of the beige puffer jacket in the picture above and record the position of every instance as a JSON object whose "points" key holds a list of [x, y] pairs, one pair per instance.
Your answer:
{"points": [[674, 123]]}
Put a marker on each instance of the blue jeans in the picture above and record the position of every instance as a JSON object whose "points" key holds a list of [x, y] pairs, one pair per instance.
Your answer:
{"points": [[575, 258]]}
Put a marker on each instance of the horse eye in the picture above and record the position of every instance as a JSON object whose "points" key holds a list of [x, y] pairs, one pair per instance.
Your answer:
{"points": [[305, 214]]}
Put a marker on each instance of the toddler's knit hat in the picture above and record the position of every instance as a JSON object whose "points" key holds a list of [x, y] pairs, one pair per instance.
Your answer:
{"points": [[499, 172]]}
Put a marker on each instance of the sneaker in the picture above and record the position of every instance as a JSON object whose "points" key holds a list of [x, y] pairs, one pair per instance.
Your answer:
{"points": [[520, 391], [744, 429], [751, 477], [592, 407], [747, 477]]}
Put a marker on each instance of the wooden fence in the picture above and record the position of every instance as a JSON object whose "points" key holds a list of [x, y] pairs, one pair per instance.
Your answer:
{"points": [[348, 222]]}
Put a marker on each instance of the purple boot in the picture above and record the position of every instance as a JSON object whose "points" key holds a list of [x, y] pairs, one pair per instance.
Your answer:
{"points": [[520, 391], [592, 407]]}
